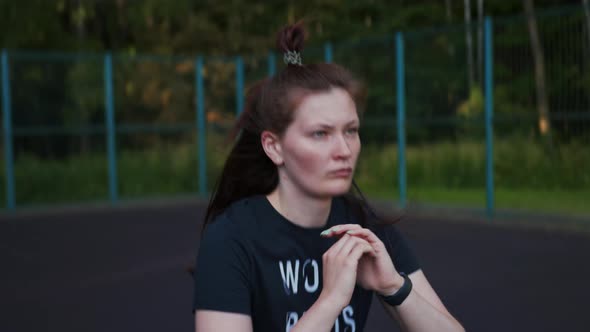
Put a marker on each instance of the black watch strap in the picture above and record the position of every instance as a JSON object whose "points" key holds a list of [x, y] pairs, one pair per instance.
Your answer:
{"points": [[402, 293]]}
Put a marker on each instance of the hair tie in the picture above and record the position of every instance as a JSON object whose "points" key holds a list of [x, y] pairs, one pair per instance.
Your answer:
{"points": [[292, 58]]}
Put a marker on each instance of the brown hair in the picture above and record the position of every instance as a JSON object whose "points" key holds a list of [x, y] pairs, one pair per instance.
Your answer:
{"points": [[270, 105]]}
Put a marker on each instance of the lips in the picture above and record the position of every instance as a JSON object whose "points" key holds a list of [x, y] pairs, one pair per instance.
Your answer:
{"points": [[343, 172]]}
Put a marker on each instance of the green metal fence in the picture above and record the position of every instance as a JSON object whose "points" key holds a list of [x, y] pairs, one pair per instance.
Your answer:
{"points": [[94, 127]]}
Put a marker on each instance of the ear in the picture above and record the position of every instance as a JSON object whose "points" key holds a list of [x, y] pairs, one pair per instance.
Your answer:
{"points": [[272, 147]]}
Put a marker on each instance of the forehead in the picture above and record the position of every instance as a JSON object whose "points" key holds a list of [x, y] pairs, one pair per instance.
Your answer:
{"points": [[329, 107]]}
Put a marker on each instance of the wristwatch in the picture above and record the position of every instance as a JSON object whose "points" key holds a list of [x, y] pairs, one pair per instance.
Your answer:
{"points": [[398, 297]]}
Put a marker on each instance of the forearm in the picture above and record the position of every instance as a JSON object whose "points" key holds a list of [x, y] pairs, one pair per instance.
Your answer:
{"points": [[416, 314], [320, 317]]}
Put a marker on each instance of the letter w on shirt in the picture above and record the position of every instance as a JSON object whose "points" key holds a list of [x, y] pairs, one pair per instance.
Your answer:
{"points": [[290, 277]]}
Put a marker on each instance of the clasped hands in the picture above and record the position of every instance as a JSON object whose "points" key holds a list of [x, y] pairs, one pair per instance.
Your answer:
{"points": [[358, 256]]}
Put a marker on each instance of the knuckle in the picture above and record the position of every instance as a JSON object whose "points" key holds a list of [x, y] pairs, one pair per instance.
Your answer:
{"points": [[350, 262]]}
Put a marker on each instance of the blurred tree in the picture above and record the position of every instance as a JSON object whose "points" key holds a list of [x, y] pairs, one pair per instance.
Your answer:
{"points": [[479, 76], [162, 91], [469, 43], [214, 26], [587, 14], [539, 61]]}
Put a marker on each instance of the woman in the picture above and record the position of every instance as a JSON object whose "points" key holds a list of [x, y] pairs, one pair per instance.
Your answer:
{"points": [[285, 246]]}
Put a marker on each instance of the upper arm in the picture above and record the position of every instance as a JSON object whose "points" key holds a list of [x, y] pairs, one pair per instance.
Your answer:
{"points": [[213, 321], [222, 278]]}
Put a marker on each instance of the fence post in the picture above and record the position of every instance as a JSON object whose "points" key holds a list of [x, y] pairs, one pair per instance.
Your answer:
{"points": [[401, 117], [201, 128], [110, 126], [489, 115], [239, 85], [328, 52], [7, 122], [272, 66]]}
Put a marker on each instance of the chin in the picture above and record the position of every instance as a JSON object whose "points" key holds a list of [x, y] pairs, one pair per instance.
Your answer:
{"points": [[337, 189]]}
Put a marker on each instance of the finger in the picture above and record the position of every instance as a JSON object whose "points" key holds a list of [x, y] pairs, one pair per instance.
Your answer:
{"points": [[348, 245], [366, 234], [353, 242], [336, 247], [359, 250], [339, 229]]}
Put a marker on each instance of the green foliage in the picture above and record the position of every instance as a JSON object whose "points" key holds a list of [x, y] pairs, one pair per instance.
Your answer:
{"points": [[161, 90], [86, 94], [519, 163], [473, 106], [442, 172], [42, 181], [214, 27]]}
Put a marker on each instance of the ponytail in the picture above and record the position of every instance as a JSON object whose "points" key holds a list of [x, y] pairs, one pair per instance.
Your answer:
{"points": [[248, 170]]}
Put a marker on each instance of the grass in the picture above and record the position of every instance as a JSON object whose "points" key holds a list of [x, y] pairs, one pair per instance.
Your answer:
{"points": [[526, 177], [572, 203]]}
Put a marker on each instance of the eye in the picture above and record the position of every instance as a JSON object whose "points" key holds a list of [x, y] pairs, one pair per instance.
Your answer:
{"points": [[352, 131], [319, 133]]}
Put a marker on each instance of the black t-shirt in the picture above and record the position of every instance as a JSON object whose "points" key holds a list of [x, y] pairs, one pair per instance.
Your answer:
{"points": [[254, 261]]}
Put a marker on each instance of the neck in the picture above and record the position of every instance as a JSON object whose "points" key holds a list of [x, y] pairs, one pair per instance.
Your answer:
{"points": [[302, 210]]}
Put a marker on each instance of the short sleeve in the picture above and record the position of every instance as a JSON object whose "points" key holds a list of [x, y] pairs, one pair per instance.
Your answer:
{"points": [[221, 277], [399, 249]]}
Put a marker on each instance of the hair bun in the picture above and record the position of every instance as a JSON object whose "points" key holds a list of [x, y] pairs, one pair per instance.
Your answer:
{"points": [[291, 38]]}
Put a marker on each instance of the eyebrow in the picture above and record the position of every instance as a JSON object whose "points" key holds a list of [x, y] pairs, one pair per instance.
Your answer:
{"points": [[350, 123]]}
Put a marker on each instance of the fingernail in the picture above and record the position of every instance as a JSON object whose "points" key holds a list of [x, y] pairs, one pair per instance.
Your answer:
{"points": [[326, 232], [335, 228], [350, 232]]}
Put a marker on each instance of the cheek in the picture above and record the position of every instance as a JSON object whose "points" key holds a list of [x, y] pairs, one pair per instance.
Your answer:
{"points": [[355, 149], [308, 159]]}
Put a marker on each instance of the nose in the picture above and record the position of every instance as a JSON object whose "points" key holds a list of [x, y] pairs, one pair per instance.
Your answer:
{"points": [[342, 148]]}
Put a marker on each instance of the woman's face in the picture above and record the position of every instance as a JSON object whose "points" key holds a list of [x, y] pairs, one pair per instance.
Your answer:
{"points": [[320, 147]]}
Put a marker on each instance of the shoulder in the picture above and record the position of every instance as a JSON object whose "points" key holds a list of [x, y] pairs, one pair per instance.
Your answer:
{"points": [[235, 222], [227, 239], [223, 270]]}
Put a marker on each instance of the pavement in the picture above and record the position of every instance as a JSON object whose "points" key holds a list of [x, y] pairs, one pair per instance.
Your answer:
{"points": [[124, 269]]}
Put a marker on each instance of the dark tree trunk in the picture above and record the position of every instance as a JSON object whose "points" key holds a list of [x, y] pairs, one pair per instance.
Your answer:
{"points": [[544, 124]]}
